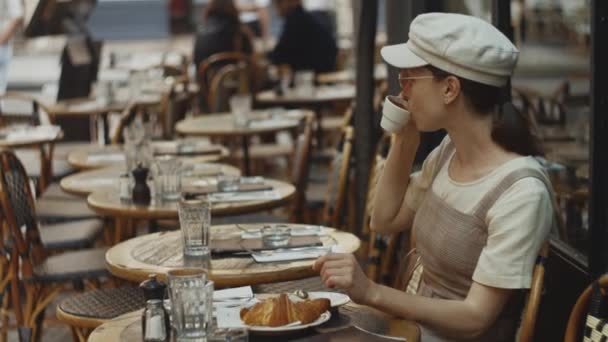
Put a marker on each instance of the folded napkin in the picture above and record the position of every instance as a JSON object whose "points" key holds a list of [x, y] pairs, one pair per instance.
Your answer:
{"points": [[269, 123], [185, 149], [236, 292], [35, 132], [264, 195], [290, 255], [212, 188]]}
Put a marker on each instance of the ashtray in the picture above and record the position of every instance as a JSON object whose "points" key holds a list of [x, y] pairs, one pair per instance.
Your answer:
{"points": [[276, 235]]}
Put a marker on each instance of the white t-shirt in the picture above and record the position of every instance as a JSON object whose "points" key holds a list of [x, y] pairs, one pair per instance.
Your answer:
{"points": [[518, 222], [250, 16], [319, 5], [9, 10]]}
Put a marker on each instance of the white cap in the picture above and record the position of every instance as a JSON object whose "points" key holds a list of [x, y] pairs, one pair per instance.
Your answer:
{"points": [[462, 45]]}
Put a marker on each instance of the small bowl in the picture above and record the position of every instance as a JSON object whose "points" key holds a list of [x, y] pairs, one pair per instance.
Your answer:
{"points": [[276, 236]]}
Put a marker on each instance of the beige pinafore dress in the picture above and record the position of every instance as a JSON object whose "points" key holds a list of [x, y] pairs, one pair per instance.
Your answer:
{"points": [[450, 242]]}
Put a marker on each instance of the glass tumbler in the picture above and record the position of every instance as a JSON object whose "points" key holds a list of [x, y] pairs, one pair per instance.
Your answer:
{"points": [[195, 221], [240, 107], [191, 295], [170, 181]]}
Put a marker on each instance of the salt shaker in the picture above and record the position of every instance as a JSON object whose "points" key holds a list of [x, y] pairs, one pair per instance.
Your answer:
{"points": [[154, 328], [125, 186]]}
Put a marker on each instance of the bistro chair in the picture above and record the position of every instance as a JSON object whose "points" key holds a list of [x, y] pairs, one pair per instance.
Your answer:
{"points": [[35, 277], [584, 320], [299, 179], [330, 198], [209, 67], [85, 311]]}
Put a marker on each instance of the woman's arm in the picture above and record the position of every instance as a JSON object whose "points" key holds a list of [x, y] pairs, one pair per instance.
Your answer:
{"points": [[466, 318], [394, 215]]}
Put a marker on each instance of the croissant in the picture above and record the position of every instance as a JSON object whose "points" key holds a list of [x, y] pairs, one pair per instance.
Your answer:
{"points": [[278, 311]]}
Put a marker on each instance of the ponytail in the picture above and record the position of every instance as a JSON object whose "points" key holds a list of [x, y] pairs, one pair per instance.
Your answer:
{"points": [[513, 129]]}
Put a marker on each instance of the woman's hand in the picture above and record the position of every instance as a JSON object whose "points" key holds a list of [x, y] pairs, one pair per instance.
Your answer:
{"points": [[342, 271]]}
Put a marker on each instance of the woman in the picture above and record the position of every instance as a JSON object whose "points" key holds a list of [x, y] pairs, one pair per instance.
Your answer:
{"points": [[221, 31], [481, 205]]}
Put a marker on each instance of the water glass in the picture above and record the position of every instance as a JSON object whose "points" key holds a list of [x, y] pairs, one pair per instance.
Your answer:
{"points": [[240, 106], [191, 295], [276, 235], [304, 82], [170, 177], [195, 221], [227, 183]]}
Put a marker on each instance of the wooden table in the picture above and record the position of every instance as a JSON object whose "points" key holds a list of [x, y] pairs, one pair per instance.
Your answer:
{"points": [[108, 203], [321, 96], [87, 182], [34, 137], [128, 326], [348, 75], [95, 156], [91, 108], [158, 253], [222, 125]]}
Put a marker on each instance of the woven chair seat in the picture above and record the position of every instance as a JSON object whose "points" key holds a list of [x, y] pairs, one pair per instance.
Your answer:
{"points": [[306, 284], [70, 235], [54, 191], [104, 304], [70, 266], [53, 210]]}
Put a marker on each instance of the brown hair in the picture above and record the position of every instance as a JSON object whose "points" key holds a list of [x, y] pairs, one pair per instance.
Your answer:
{"points": [[513, 130], [224, 8]]}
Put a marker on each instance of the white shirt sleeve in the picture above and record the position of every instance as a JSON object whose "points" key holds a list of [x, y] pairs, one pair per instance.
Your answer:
{"points": [[15, 9], [518, 224], [421, 181]]}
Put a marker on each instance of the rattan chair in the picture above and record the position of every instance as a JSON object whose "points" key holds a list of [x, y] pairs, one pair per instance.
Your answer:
{"points": [[576, 321], [299, 179], [35, 278], [330, 198], [85, 311], [208, 68]]}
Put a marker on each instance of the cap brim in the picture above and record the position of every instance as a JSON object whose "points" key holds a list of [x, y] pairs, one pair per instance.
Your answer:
{"points": [[400, 56]]}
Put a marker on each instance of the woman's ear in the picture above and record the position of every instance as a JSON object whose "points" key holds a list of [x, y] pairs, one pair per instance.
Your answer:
{"points": [[451, 89]]}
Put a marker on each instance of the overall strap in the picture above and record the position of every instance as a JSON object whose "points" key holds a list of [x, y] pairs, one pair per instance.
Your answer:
{"points": [[443, 158], [492, 196]]}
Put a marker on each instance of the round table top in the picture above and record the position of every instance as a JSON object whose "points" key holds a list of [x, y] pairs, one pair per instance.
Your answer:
{"points": [[348, 75], [158, 253], [128, 327], [87, 182], [95, 156], [319, 95], [107, 202], [90, 106], [222, 124], [29, 136]]}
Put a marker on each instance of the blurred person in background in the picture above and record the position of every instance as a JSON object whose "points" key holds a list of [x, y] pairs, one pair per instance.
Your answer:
{"points": [[255, 14], [304, 43], [11, 18], [324, 11], [221, 31]]}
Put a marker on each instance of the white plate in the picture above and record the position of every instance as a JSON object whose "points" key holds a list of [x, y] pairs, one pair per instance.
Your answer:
{"points": [[335, 298], [322, 319]]}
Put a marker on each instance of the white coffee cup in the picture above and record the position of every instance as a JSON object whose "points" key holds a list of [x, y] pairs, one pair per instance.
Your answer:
{"points": [[394, 116]]}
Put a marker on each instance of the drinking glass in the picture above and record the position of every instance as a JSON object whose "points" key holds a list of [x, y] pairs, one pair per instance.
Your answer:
{"points": [[170, 177], [304, 82], [191, 295], [195, 220], [227, 183], [240, 106], [276, 235]]}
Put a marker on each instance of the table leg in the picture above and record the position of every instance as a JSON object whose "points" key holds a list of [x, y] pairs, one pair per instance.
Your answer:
{"points": [[120, 225], [246, 161]]}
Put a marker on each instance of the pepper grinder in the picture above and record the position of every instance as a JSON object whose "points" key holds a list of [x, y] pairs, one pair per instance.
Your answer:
{"points": [[141, 190]]}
